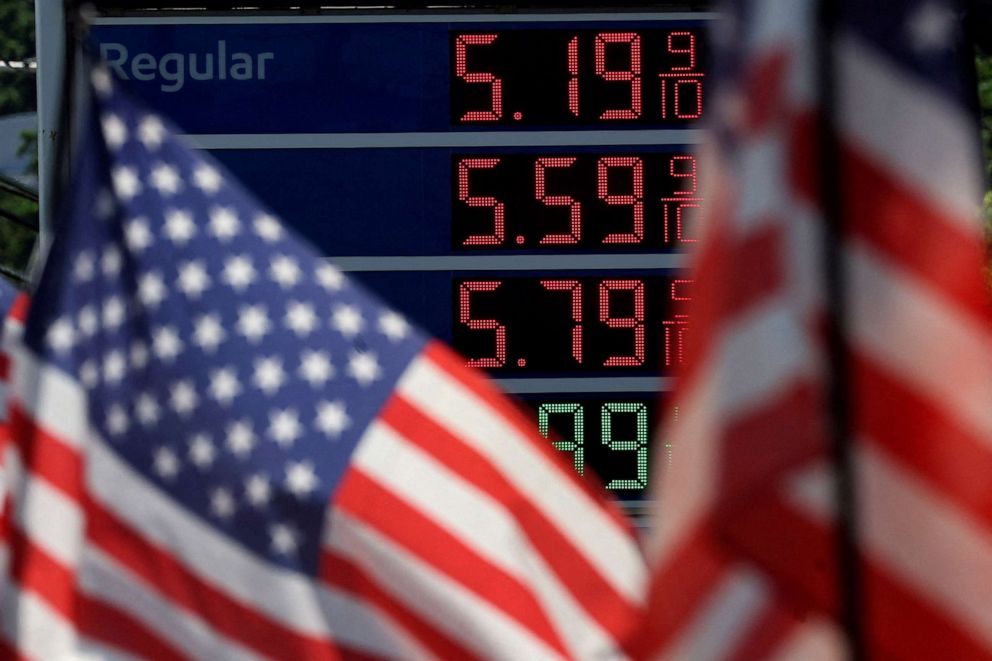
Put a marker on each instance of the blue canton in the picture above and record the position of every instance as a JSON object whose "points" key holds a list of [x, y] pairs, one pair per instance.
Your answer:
{"points": [[224, 361]]}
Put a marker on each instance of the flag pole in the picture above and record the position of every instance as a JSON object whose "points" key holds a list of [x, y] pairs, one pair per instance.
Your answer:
{"points": [[839, 399]]}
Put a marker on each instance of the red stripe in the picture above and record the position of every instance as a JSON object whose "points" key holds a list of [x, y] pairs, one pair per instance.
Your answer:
{"points": [[799, 554], [36, 571], [226, 615], [596, 596], [770, 631], [753, 262], [372, 503], [923, 439], [45, 455], [351, 578], [4, 367], [679, 588], [117, 628], [522, 420], [901, 223], [19, 309]]}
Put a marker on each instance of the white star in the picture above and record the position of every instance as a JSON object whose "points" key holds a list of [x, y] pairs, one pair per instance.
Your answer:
{"points": [[258, 490], [165, 179], [84, 268], [300, 318], [347, 320], [146, 408], [202, 451], [114, 131], [110, 262], [89, 374], [126, 182], [332, 419], [151, 289], [268, 228], [137, 235], [166, 344], [285, 539], [224, 224], [139, 355], [206, 178], [315, 367], [269, 376], [931, 27], [114, 367], [284, 271], [193, 279], [393, 326], [61, 336], [208, 332], [113, 313], [179, 226], [253, 322], [88, 322], [285, 427], [151, 132], [117, 421], [222, 503], [364, 367], [329, 277], [102, 83], [300, 478], [183, 398], [240, 438], [166, 463], [224, 385], [238, 272]]}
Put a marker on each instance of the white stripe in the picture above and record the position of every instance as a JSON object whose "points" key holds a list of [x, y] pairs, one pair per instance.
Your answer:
{"points": [[813, 640], [482, 524], [283, 596], [51, 520], [104, 580], [914, 532], [51, 397], [604, 543], [729, 614], [902, 323], [33, 628], [911, 130], [449, 607]]}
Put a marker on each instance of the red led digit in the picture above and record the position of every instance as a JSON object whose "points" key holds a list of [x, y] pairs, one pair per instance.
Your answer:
{"points": [[573, 71], [632, 75], [465, 316], [679, 207], [575, 287], [635, 199], [676, 327], [636, 322], [684, 167], [478, 77], [575, 207], [499, 209], [689, 50]]}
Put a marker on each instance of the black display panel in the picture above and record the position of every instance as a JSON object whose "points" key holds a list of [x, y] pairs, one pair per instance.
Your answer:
{"points": [[557, 323], [581, 77], [594, 202]]}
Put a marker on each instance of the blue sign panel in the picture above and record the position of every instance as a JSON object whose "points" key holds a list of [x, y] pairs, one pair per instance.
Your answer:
{"points": [[521, 185]]}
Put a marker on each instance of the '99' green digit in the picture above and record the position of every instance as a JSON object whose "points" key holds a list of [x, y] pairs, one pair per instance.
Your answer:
{"points": [[638, 445], [575, 445]]}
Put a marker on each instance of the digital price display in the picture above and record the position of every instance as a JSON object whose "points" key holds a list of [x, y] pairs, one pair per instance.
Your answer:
{"points": [[522, 185]]}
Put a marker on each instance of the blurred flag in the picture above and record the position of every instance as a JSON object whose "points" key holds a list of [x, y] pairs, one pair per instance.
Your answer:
{"points": [[745, 547], [230, 450], [13, 309]]}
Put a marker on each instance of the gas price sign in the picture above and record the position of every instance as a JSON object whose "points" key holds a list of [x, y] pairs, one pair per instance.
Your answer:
{"points": [[522, 185]]}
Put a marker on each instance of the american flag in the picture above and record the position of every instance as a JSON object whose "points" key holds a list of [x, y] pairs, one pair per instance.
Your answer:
{"points": [[227, 449], [745, 547]]}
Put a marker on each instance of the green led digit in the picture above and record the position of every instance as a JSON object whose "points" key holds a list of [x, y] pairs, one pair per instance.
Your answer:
{"points": [[545, 411], [639, 445]]}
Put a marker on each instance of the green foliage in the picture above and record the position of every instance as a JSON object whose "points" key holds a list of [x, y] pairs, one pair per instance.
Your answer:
{"points": [[17, 88]]}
